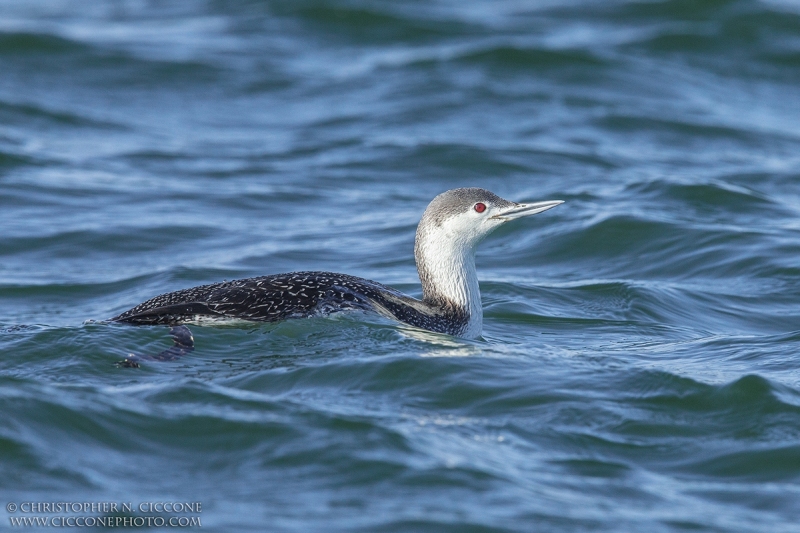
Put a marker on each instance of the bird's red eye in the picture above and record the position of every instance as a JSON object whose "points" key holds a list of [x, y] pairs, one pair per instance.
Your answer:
{"points": [[480, 208]]}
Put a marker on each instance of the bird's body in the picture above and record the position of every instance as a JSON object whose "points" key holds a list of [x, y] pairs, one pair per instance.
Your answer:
{"points": [[450, 229], [285, 296]]}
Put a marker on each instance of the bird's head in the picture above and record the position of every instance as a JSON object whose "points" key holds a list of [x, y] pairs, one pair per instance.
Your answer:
{"points": [[464, 217]]}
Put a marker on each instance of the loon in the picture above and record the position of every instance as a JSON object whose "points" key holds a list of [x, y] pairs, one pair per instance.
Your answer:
{"points": [[450, 229]]}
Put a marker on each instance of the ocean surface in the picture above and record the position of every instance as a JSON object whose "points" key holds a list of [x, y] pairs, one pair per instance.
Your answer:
{"points": [[639, 368]]}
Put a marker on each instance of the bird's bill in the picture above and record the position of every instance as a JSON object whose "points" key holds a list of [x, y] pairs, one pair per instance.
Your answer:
{"points": [[524, 210]]}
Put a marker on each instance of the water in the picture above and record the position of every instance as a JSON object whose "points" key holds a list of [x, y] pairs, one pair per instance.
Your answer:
{"points": [[639, 365]]}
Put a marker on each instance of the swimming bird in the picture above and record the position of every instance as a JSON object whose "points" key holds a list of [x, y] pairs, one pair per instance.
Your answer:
{"points": [[450, 229]]}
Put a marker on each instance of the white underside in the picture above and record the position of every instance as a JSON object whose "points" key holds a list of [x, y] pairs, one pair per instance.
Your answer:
{"points": [[205, 320]]}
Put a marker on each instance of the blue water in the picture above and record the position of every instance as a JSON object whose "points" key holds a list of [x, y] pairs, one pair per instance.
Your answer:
{"points": [[639, 366]]}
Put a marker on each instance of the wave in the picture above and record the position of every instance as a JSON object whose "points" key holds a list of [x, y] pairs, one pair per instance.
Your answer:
{"points": [[26, 43], [680, 131], [745, 418], [11, 160], [516, 57], [104, 63], [731, 33], [373, 22], [29, 114]]}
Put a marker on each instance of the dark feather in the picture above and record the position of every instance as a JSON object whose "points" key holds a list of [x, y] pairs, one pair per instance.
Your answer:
{"points": [[293, 295]]}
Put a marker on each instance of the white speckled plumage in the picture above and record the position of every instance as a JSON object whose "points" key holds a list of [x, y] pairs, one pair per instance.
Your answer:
{"points": [[450, 229]]}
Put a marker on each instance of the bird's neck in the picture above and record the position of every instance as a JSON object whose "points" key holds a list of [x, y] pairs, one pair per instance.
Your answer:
{"points": [[449, 280]]}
